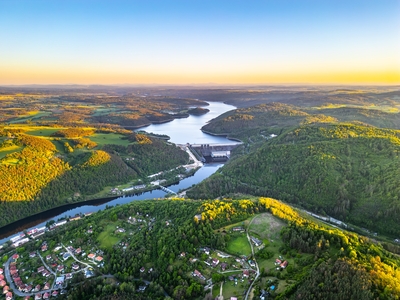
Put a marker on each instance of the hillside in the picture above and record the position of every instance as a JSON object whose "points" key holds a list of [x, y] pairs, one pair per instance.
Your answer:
{"points": [[173, 248], [49, 167], [344, 170]]}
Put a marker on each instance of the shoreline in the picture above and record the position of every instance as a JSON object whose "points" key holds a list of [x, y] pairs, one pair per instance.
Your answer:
{"points": [[225, 135]]}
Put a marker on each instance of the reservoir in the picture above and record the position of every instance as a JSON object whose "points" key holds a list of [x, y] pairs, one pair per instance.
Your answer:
{"points": [[181, 131]]}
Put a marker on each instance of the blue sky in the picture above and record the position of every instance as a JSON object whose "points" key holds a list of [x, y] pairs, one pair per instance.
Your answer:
{"points": [[180, 42]]}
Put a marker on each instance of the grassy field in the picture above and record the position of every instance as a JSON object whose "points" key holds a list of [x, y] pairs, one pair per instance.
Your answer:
{"points": [[8, 150], [239, 245], [107, 238], [104, 111], [231, 290], [43, 131], [266, 226], [31, 116], [109, 138]]}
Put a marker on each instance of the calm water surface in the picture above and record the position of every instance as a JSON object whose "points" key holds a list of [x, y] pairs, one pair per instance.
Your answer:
{"points": [[187, 130]]}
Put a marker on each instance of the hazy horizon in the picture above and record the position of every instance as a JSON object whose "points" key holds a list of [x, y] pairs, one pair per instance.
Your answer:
{"points": [[204, 43]]}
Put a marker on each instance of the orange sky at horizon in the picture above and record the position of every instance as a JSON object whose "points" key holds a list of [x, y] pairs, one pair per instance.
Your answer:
{"points": [[25, 77]]}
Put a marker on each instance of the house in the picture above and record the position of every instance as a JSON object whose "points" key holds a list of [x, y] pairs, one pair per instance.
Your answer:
{"points": [[37, 288], [60, 280], [198, 274], [57, 248], [5, 289], [15, 256], [222, 254], [1, 271], [224, 266], [284, 264], [27, 298], [215, 262], [46, 286], [252, 263], [40, 269], [54, 293], [9, 296], [68, 276], [142, 288], [38, 296], [142, 269], [28, 288], [60, 268], [98, 258], [48, 257], [32, 254], [233, 298], [150, 270], [66, 256], [46, 295], [183, 254], [278, 261], [255, 241], [44, 247], [1, 277], [236, 229], [46, 273], [78, 251], [75, 267], [89, 273], [91, 256], [246, 273]]}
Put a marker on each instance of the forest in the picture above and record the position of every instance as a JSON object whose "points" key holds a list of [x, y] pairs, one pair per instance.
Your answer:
{"points": [[346, 171]]}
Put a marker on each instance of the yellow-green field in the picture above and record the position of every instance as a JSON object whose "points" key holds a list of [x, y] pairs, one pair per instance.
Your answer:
{"points": [[109, 138], [8, 150]]}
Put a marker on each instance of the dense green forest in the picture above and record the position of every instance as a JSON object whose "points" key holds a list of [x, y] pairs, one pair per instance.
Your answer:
{"points": [[327, 263], [347, 171]]}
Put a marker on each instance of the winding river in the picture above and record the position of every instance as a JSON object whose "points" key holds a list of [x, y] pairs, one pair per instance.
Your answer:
{"points": [[181, 131]]}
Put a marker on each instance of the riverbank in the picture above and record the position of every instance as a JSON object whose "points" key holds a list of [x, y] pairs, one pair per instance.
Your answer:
{"points": [[225, 135]]}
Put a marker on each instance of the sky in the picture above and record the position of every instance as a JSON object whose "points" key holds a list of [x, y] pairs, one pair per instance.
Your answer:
{"points": [[199, 42]]}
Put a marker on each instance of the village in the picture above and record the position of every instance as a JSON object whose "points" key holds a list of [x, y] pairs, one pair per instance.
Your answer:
{"points": [[48, 270]]}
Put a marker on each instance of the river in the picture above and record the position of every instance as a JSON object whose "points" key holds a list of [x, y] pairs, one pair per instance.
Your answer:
{"points": [[181, 131]]}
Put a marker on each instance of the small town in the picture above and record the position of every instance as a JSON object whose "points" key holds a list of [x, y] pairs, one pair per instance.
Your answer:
{"points": [[49, 270]]}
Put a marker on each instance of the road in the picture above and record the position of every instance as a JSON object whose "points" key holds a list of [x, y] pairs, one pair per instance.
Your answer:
{"points": [[252, 252], [74, 257], [196, 163], [11, 283]]}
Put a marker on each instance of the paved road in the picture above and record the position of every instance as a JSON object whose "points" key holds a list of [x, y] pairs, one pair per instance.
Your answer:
{"points": [[48, 268], [11, 283], [252, 252], [74, 257]]}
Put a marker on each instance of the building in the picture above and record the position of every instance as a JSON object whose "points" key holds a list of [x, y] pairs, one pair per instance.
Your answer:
{"points": [[198, 274]]}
